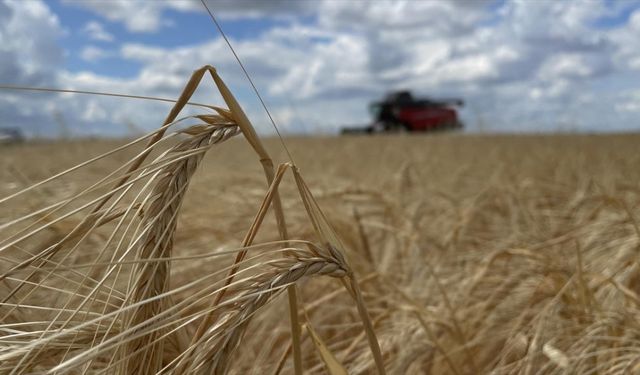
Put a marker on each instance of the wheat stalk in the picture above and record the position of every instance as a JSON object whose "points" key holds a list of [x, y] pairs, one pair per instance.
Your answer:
{"points": [[152, 279], [231, 325]]}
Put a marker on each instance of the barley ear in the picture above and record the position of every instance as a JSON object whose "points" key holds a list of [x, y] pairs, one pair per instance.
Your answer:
{"points": [[267, 164], [326, 233]]}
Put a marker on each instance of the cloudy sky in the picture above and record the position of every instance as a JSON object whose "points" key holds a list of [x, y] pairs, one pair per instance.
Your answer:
{"points": [[528, 65]]}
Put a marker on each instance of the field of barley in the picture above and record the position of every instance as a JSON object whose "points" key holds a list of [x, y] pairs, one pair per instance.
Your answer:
{"points": [[471, 254]]}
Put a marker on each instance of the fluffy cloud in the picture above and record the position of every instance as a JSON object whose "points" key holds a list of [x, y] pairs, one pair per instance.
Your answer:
{"points": [[137, 15], [149, 16], [630, 102], [29, 56], [628, 54], [93, 53], [29, 35], [96, 31], [433, 18]]}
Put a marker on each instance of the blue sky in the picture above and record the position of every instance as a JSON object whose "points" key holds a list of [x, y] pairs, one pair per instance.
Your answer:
{"points": [[185, 28], [520, 65]]}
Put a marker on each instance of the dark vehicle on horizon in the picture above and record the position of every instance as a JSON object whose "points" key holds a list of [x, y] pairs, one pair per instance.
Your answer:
{"points": [[11, 135]]}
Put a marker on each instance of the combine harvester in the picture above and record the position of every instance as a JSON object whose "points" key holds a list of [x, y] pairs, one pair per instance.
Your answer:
{"points": [[401, 112]]}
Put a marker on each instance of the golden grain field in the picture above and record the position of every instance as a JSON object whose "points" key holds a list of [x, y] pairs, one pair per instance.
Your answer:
{"points": [[475, 254]]}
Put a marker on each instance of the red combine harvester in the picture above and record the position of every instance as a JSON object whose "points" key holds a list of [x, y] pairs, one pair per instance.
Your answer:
{"points": [[400, 111]]}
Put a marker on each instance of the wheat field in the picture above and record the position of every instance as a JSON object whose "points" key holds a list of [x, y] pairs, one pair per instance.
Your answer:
{"points": [[474, 254]]}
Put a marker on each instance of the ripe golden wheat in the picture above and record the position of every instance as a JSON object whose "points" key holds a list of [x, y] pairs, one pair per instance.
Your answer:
{"points": [[122, 313]]}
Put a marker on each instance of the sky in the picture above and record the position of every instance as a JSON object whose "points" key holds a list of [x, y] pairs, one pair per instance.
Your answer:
{"points": [[519, 65]]}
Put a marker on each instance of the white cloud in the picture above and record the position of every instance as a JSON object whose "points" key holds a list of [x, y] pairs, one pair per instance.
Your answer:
{"points": [[628, 53], [137, 15], [93, 53], [565, 65], [549, 90], [630, 106], [432, 17], [30, 56], [94, 111], [149, 15], [96, 31], [28, 37], [141, 52], [630, 102]]}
